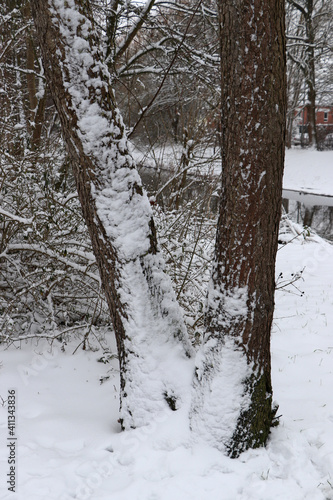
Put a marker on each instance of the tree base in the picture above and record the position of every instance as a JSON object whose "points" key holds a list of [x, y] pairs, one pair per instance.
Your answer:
{"points": [[254, 423]]}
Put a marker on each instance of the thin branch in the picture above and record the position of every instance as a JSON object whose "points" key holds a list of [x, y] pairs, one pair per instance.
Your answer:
{"points": [[298, 7], [14, 39], [25, 71], [16, 218], [136, 27], [45, 251], [167, 71]]}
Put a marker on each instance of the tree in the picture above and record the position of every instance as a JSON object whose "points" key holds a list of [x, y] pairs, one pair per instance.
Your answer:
{"points": [[309, 43], [295, 78], [308, 66], [158, 72], [233, 393], [150, 332], [23, 97]]}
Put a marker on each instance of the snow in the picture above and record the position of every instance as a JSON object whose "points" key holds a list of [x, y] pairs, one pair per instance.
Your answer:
{"points": [[309, 171], [22, 220], [220, 393], [234, 301], [157, 364], [69, 444]]}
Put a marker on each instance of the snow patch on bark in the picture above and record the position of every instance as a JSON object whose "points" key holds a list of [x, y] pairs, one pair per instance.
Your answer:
{"points": [[157, 366], [218, 394], [226, 303], [222, 368]]}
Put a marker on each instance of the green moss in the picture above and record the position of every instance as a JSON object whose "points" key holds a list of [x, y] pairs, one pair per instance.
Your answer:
{"points": [[171, 400], [254, 423]]}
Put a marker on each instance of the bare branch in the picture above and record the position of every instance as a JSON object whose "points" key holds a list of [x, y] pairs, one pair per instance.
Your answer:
{"points": [[135, 29]]}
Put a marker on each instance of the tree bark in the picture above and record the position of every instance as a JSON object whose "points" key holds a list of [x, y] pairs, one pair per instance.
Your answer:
{"points": [[233, 402], [150, 332]]}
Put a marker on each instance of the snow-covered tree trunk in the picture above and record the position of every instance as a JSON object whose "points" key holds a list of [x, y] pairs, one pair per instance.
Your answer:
{"points": [[152, 341], [233, 394]]}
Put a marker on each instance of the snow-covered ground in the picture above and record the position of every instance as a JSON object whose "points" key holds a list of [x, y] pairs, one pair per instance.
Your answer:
{"points": [[309, 170], [69, 444]]}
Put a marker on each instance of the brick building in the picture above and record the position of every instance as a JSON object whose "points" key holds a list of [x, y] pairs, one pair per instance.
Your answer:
{"points": [[324, 122]]}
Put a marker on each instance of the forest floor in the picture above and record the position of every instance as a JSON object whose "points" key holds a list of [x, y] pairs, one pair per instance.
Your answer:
{"points": [[67, 442]]}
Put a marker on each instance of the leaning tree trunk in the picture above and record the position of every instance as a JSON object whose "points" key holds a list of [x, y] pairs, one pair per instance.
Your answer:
{"points": [[233, 394], [151, 336]]}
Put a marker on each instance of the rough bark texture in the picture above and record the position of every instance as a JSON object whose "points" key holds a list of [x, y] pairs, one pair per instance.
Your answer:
{"points": [[113, 205], [241, 296]]}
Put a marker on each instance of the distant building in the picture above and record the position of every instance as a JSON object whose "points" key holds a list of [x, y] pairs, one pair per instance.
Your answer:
{"points": [[324, 116], [324, 122]]}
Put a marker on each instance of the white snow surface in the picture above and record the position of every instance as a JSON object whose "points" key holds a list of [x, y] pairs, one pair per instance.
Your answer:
{"points": [[309, 170], [69, 444]]}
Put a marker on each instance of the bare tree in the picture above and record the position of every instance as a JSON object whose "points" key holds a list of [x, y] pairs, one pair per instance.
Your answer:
{"points": [[159, 68], [233, 393], [309, 44]]}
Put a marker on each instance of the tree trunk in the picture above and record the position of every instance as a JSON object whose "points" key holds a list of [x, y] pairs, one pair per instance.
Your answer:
{"points": [[310, 80], [310, 74], [36, 106], [311, 106], [309, 212], [233, 393], [307, 64], [151, 336]]}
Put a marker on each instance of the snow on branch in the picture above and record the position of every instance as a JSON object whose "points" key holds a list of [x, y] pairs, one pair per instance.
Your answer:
{"points": [[7, 17], [16, 218], [24, 71], [19, 247], [152, 47]]}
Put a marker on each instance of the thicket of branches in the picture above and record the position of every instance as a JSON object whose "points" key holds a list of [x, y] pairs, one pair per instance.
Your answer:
{"points": [[48, 277], [165, 62]]}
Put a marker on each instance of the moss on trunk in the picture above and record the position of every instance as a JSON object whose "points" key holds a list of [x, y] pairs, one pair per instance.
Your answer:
{"points": [[254, 423]]}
